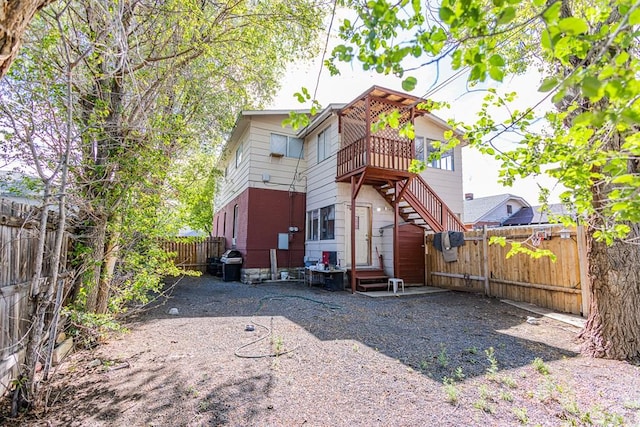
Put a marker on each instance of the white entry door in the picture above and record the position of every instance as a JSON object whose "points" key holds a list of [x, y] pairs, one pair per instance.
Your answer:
{"points": [[363, 235]]}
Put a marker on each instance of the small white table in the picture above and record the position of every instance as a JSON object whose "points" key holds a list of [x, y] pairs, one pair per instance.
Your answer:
{"points": [[395, 281]]}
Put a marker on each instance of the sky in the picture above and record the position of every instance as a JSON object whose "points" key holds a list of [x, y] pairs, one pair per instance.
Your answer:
{"points": [[480, 173]]}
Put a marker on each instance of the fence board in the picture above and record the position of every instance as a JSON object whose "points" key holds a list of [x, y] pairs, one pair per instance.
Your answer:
{"points": [[19, 229], [540, 281], [192, 254]]}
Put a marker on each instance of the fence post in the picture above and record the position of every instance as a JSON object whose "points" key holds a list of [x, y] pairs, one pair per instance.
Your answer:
{"points": [[485, 260], [583, 264]]}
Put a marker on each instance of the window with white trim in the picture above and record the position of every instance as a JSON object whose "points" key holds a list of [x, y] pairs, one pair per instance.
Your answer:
{"points": [[445, 161], [321, 223], [419, 148], [286, 146], [328, 223], [324, 145], [313, 225], [238, 155]]}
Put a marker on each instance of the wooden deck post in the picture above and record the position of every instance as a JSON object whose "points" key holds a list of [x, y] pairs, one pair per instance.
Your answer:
{"points": [[353, 234], [396, 232]]}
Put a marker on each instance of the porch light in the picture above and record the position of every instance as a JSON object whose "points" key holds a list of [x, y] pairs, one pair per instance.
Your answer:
{"points": [[565, 233]]}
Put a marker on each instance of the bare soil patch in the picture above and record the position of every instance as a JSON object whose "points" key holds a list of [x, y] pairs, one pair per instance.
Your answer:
{"points": [[444, 359]]}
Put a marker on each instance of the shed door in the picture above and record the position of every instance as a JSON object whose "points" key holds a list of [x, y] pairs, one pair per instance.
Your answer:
{"points": [[411, 254]]}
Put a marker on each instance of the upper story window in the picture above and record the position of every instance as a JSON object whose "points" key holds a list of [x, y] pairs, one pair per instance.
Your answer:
{"points": [[419, 146], [287, 146], [238, 155], [509, 209], [444, 162], [324, 148]]}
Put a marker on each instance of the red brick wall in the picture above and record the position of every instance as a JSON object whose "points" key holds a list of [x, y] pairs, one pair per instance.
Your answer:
{"points": [[262, 215]]}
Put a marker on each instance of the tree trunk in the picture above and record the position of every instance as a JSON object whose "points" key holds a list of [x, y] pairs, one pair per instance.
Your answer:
{"points": [[613, 327], [15, 16], [108, 268], [95, 259]]}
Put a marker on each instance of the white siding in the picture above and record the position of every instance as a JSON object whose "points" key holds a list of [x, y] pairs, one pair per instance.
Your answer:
{"points": [[321, 186], [236, 180], [257, 161], [285, 173], [447, 184], [318, 180]]}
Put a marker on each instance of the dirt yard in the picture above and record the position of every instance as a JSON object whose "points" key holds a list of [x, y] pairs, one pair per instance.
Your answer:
{"points": [[336, 359]]}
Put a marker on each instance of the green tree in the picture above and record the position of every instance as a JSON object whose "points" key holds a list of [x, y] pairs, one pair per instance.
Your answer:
{"points": [[133, 88], [152, 81], [193, 183], [588, 53]]}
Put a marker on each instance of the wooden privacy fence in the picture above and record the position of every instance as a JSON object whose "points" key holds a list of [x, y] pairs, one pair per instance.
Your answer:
{"points": [[19, 231], [192, 254], [560, 285]]}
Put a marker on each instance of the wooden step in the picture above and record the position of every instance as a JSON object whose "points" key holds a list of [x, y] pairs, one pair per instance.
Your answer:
{"points": [[364, 287]]}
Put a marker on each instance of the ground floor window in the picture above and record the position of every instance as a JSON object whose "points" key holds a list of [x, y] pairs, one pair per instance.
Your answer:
{"points": [[321, 223], [313, 224]]}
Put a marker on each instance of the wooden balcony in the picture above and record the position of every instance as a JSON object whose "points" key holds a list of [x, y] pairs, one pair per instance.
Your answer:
{"points": [[382, 159]]}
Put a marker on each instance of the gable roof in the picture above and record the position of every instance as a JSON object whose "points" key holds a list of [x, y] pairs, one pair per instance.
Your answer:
{"points": [[535, 215], [477, 208]]}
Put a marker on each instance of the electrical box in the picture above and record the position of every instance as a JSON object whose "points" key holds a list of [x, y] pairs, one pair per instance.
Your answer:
{"points": [[283, 241]]}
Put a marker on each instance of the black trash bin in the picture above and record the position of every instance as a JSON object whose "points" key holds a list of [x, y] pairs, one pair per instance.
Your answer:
{"points": [[334, 281], [214, 266], [231, 265]]}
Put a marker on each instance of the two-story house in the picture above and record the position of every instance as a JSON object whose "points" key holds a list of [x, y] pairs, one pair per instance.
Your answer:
{"points": [[491, 211], [337, 187]]}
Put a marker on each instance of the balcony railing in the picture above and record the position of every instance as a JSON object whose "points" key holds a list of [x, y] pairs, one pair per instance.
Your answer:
{"points": [[431, 207], [384, 153]]}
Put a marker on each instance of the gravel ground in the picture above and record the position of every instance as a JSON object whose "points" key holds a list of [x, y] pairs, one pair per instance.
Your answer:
{"points": [[446, 359]]}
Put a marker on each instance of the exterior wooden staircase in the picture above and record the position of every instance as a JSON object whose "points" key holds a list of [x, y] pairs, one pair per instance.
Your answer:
{"points": [[369, 279], [419, 204]]}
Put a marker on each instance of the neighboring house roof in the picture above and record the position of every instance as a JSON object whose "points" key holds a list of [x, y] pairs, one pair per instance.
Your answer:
{"points": [[535, 215], [478, 208]]}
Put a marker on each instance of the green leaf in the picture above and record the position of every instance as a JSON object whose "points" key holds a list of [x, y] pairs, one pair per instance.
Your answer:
{"points": [[552, 14], [590, 86], [622, 58], [573, 26], [409, 84], [496, 73], [624, 179], [507, 15], [545, 40], [634, 17], [497, 60], [446, 15], [548, 84]]}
